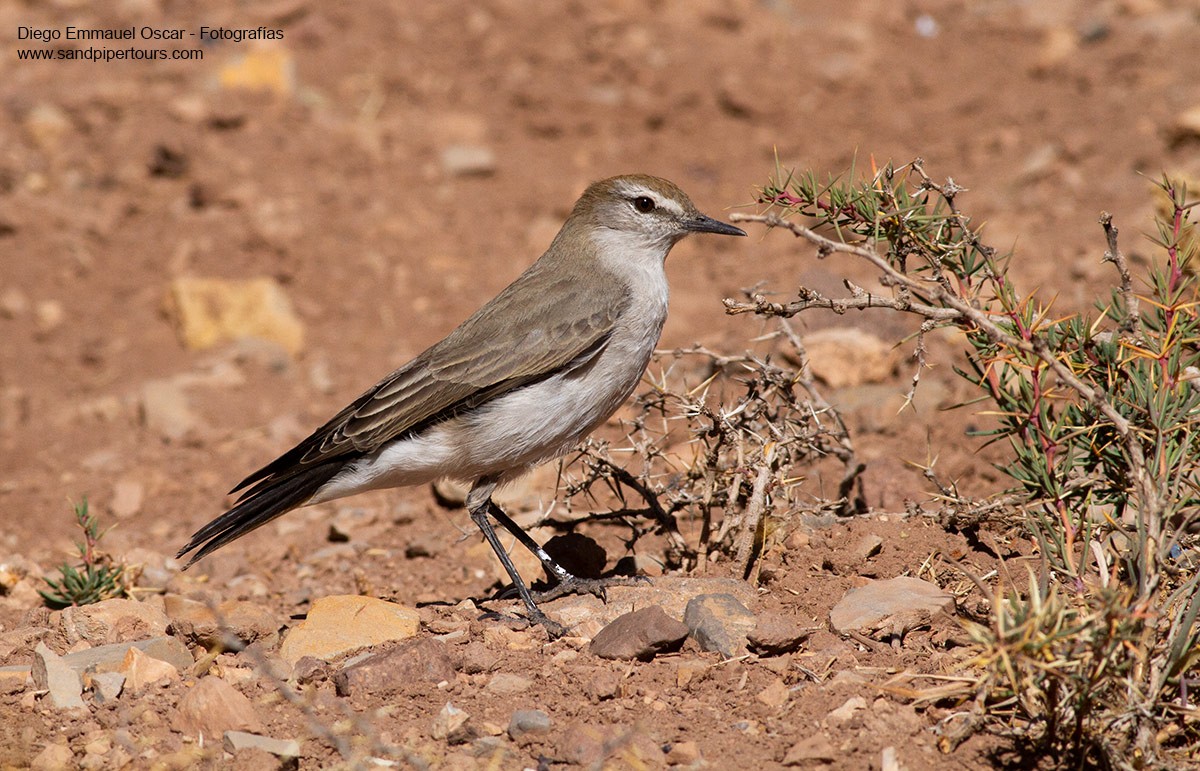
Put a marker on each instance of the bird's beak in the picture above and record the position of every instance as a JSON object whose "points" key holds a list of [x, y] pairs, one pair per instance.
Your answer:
{"points": [[702, 224]]}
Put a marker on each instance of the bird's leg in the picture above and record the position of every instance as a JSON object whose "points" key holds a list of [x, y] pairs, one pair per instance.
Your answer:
{"points": [[565, 582], [479, 505]]}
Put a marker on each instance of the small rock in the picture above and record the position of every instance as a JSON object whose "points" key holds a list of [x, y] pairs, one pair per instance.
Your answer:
{"points": [[165, 410], [718, 622], [450, 725], [53, 757], [603, 684], [505, 684], [889, 760], [342, 623], [686, 754], [893, 606], [639, 635], [843, 713], [213, 707], [1186, 126], [236, 741], [774, 635], [141, 670], [51, 674], [208, 311], [111, 621], [106, 686], [842, 357], [46, 125], [527, 722], [234, 624], [468, 161], [774, 695], [110, 658], [868, 546], [271, 69], [50, 315], [417, 663], [13, 678], [816, 749], [584, 744], [127, 498]]}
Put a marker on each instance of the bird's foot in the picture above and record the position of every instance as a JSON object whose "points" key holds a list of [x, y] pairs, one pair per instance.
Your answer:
{"points": [[594, 586], [536, 617]]}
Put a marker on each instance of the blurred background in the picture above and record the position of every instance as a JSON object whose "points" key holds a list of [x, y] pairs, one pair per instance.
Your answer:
{"points": [[346, 195]]}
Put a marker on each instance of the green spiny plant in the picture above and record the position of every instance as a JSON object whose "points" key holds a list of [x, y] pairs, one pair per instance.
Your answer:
{"points": [[1099, 412], [97, 578]]}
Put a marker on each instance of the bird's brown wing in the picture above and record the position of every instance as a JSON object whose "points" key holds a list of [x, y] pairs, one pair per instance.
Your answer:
{"points": [[541, 324]]}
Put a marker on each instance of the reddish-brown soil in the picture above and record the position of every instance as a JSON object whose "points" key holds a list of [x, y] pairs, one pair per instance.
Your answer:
{"points": [[118, 177]]}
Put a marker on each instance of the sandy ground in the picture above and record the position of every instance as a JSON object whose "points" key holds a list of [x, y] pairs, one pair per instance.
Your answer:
{"points": [[320, 161]]}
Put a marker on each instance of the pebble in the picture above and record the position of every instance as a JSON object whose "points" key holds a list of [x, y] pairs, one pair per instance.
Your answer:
{"points": [[213, 707], [450, 725], [525, 722], [106, 686], [719, 622], [686, 754], [112, 621], [209, 311], [843, 357], [640, 635], [417, 663], [237, 741], [506, 684], [110, 658], [53, 757], [468, 161], [165, 410], [602, 684], [1187, 125], [141, 670], [341, 623], [127, 498], [234, 624], [894, 606], [13, 303], [868, 546], [585, 615], [775, 634], [774, 695], [845, 712], [815, 749], [50, 673]]}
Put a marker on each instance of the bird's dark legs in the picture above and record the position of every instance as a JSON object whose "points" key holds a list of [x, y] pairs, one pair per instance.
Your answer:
{"points": [[480, 506]]}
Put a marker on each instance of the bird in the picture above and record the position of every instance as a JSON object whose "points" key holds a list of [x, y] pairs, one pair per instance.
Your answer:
{"points": [[519, 383]]}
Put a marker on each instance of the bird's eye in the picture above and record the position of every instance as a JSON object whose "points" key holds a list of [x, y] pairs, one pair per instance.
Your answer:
{"points": [[644, 204]]}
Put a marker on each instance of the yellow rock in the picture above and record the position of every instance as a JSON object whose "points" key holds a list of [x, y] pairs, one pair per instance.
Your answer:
{"points": [[141, 670], [270, 68], [208, 311], [342, 623]]}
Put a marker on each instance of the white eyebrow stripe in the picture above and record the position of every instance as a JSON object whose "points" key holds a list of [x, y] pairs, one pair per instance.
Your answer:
{"points": [[634, 190]]}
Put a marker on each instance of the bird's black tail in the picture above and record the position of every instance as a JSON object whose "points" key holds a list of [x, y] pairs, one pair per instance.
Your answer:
{"points": [[267, 501]]}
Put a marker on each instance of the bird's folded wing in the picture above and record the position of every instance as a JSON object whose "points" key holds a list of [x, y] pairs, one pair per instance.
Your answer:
{"points": [[518, 338]]}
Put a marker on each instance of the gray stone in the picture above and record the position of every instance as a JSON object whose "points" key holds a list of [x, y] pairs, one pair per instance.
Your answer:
{"points": [[52, 674], [525, 722], [719, 622], [106, 686], [641, 635], [109, 658], [236, 741]]}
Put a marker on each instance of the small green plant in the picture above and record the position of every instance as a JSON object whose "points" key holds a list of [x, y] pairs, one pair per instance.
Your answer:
{"points": [[98, 578]]}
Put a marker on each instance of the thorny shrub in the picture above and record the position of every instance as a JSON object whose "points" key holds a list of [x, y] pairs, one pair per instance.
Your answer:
{"points": [[1092, 657]]}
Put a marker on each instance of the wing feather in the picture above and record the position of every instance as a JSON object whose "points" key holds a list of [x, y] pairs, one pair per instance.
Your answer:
{"points": [[540, 324]]}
